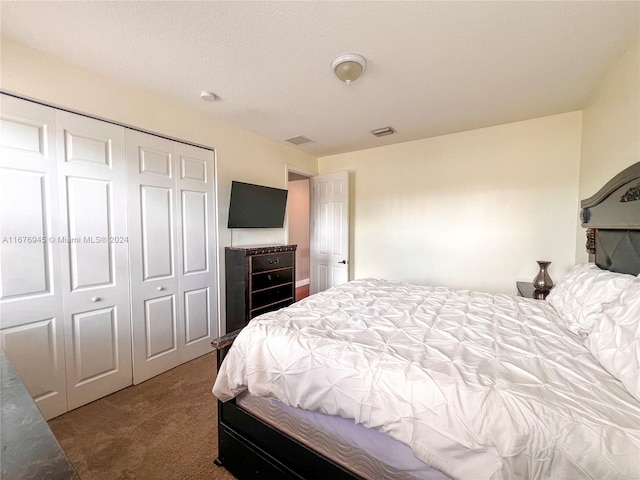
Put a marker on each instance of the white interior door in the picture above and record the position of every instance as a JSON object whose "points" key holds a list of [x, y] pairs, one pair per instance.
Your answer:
{"points": [[31, 318], [329, 231], [154, 281], [197, 279], [92, 181]]}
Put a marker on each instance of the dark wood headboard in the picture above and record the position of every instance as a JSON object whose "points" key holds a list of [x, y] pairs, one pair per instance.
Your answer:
{"points": [[612, 220]]}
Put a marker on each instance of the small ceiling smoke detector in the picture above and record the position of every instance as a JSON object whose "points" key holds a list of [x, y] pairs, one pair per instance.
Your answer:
{"points": [[349, 67], [381, 132], [208, 96], [300, 140]]}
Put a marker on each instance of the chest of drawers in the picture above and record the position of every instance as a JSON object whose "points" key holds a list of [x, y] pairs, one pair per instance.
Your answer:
{"points": [[258, 280]]}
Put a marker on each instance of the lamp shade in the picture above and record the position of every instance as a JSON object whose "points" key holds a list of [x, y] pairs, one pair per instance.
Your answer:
{"points": [[348, 68]]}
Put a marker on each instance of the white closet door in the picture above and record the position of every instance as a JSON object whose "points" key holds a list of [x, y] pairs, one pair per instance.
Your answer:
{"points": [[92, 182], [31, 328], [197, 243], [157, 334]]}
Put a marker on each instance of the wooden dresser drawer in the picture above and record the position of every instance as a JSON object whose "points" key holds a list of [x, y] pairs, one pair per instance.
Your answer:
{"points": [[271, 307], [260, 281], [262, 263], [271, 295]]}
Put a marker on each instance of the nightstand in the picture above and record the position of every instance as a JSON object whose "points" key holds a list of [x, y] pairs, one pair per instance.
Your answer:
{"points": [[525, 289]]}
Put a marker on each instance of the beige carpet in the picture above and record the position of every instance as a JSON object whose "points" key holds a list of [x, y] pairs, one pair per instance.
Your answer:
{"points": [[164, 428]]}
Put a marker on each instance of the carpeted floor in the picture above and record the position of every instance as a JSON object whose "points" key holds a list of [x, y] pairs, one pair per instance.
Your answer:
{"points": [[164, 428]]}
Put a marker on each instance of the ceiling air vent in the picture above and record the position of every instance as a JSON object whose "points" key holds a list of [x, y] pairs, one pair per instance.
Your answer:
{"points": [[299, 140], [381, 132]]}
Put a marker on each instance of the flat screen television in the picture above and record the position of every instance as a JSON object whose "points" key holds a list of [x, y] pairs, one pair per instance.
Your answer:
{"points": [[256, 206]]}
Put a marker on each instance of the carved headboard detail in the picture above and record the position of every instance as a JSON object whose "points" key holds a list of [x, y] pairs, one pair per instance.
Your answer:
{"points": [[591, 241], [612, 219], [632, 195]]}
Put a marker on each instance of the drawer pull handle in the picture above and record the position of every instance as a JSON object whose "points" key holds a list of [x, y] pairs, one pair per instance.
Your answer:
{"points": [[273, 262], [95, 299], [160, 289]]}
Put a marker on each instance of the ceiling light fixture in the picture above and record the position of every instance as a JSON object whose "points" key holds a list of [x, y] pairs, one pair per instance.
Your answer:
{"points": [[208, 96], [349, 67]]}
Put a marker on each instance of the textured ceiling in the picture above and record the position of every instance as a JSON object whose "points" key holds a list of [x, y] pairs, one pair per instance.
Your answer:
{"points": [[433, 67]]}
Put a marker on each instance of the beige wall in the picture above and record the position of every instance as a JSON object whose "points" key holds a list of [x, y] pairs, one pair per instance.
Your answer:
{"points": [[240, 155], [469, 210], [473, 209], [611, 129]]}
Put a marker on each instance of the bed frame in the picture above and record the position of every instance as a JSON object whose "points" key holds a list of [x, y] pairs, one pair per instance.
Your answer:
{"points": [[252, 449]]}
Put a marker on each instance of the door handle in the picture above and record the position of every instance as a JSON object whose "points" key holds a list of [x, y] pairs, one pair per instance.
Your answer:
{"points": [[344, 262]]}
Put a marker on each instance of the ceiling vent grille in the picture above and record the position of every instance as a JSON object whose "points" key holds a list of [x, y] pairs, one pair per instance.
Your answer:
{"points": [[381, 132], [300, 140]]}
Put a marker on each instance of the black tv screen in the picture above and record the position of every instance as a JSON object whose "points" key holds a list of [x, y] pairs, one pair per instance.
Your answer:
{"points": [[256, 206]]}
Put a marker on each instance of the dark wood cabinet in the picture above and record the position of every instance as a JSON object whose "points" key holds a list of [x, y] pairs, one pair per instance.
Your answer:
{"points": [[258, 280]]}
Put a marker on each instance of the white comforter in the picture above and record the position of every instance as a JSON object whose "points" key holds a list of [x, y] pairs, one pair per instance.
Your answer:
{"points": [[480, 386]]}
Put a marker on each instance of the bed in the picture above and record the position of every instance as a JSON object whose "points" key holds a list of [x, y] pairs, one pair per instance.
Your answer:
{"points": [[383, 379]]}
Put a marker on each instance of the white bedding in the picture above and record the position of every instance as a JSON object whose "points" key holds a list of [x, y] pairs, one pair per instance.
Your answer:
{"points": [[480, 386]]}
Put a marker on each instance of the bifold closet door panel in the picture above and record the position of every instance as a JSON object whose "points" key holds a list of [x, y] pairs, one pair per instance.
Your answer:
{"points": [[154, 275], [31, 317], [107, 253], [197, 244], [93, 196]]}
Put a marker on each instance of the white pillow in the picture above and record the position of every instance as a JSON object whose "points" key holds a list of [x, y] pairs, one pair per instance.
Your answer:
{"points": [[615, 339], [579, 296]]}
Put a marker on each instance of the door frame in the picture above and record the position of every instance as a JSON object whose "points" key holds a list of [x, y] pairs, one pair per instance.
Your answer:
{"points": [[304, 173], [298, 171], [309, 175]]}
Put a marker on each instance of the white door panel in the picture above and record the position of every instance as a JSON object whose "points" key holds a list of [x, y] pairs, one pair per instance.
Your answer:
{"points": [[193, 168], [94, 360], [157, 246], [152, 161], [197, 315], [90, 216], [174, 262], [197, 242], [161, 327], [194, 232], [31, 327], [28, 129], [25, 256], [95, 338], [154, 285], [329, 231], [95, 257], [36, 351]]}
